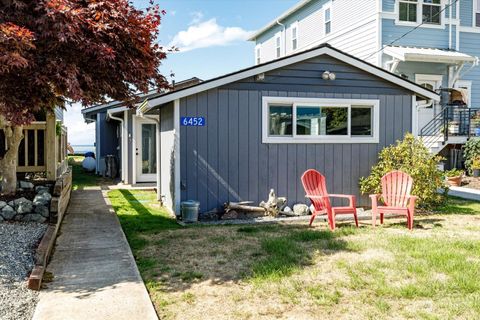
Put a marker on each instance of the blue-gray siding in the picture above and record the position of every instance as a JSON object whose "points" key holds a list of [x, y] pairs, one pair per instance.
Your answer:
{"points": [[227, 161]]}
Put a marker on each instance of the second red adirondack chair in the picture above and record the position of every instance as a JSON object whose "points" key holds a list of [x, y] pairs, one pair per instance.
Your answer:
{"points": [[316, 189], [396, 188]]}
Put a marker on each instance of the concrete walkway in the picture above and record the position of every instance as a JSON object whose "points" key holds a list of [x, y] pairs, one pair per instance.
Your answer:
{"points": [[95, 275], [465, 193]]}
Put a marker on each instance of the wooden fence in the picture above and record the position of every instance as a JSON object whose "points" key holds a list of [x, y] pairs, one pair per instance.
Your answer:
{"points": [[43, 149]]}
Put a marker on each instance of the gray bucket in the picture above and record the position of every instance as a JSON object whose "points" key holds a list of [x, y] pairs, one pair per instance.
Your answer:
{"points": [[189, 210]]}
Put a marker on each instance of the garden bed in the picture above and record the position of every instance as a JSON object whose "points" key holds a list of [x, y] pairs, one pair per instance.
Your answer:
{"points": [[18, 242]]}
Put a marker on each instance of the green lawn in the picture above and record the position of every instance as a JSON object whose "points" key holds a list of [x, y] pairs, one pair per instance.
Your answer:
{"points": [[83, 179], [290, 271]]}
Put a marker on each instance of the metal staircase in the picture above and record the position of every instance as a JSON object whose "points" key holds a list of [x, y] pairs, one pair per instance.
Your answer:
{"points": [[452, 125]]}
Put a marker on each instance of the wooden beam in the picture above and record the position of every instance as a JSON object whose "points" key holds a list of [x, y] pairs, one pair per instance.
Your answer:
{"points": [[51, 147]]}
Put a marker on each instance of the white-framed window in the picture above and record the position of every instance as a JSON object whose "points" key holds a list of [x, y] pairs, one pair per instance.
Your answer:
{"points": [[278, 45], [328, 19], [428, 12], [294, 29], [476, 12], [408, 10], [258, 54], [313, 120]]}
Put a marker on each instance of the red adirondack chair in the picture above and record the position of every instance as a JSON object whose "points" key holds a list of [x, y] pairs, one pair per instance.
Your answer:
{"points": [[396, 188], [316, 189]]}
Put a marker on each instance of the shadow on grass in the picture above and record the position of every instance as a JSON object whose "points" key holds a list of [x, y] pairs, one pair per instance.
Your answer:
{"points": [[83, 179], [140, 215], [454, 205]]}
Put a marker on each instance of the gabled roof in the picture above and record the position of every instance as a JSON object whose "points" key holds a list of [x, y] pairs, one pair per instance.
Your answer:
{"points": [[149, 95], [324, 49], [284, 15], [428, 55]]}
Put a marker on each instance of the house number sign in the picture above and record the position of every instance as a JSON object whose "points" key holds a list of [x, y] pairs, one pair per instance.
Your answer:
{"points": [[193, 121]]}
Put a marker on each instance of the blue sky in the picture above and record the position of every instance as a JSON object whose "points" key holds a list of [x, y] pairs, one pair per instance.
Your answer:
{"points": [[211, 35]]}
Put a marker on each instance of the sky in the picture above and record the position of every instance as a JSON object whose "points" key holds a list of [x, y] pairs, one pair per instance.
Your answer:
{"points": [[211, 36]]}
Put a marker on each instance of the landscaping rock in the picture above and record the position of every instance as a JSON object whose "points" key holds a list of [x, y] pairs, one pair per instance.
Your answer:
{"points": [[8, 212], [2, 204], [42, 210], [287, 209], [301, 210], [312, 209], [41, 189], [42, 199], [32, 217], [26, 185], [23, 205]]}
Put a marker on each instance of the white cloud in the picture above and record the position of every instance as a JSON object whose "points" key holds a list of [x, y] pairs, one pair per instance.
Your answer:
{"points": [[79, 133], [208, 34]]}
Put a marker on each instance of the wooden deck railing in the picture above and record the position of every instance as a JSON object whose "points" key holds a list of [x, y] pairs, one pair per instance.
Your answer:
{"points": [[43, 149]]}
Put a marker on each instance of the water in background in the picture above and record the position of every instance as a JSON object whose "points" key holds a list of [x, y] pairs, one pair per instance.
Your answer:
{"points": [[82, 149]]}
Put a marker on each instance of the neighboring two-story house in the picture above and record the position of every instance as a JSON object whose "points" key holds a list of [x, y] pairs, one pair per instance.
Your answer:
{"points": [[431, 42]]}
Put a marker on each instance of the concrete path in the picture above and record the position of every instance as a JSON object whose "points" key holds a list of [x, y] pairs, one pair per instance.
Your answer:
{"points": [[465, 193], [95, 275]]}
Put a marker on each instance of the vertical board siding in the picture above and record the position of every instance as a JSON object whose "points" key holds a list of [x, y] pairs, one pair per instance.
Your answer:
{"points": [[227, 161]]}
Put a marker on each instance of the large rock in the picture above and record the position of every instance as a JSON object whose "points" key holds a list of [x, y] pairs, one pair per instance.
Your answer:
{"points": [[23, 206], [2, 204], [42, 199], [33, 217], [26, 185], [8, 212], [301, 210], [42, 210], [41, 189]]}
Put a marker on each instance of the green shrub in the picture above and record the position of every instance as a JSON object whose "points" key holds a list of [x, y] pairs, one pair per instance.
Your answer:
{"points": [[471, 151], [453, 173], [412, 157]]}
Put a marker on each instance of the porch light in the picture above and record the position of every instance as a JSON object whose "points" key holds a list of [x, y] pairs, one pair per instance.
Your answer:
{"points": [[327, 75]]}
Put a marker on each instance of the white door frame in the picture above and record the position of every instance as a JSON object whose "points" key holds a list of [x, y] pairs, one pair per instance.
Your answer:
{"points": [[137, 176]]}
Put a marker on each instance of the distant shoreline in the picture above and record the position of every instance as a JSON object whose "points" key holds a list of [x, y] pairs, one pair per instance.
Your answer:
{"points": [[82, 149]]}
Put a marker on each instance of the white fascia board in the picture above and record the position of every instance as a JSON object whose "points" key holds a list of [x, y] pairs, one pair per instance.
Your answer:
{"points": [[292, 60], [284, 15]]}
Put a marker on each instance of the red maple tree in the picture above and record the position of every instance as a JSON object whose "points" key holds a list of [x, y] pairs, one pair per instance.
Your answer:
{"points": [[53, 52]]}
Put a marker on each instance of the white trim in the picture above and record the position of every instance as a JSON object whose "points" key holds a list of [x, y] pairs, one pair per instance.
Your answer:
{"points": [[134, 151], [284, 15], [419, 21], [140, 177], [291, 60], [292, 27], [278, 45], [379, 34], [177, 154], [125, 152], [295, 102], [475, 9], [258, 54], [327, 6], [415, 130], [428, 77]]}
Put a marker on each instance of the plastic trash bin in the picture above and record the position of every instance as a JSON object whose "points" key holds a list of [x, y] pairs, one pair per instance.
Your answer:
{"points": [[189, 210]]}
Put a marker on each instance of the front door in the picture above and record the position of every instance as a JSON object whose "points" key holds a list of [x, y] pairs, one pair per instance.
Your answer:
{"points": [[146, 150]]}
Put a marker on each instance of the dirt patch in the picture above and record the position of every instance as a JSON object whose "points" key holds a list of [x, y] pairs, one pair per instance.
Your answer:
{"points": [[471, 182]]}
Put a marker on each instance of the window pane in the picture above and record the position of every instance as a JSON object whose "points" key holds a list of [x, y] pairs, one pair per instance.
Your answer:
{"points": [[327, 15], [328, 28], [477, 23], [280, 120], [314, 121], [294, 44], [361, 121], [408, 12], [431, 14]]}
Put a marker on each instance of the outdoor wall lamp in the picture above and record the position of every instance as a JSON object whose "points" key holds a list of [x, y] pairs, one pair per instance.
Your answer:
{"points": [[327, 75]]}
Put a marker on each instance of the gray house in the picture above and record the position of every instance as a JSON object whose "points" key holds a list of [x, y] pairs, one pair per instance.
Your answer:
{"points": [[235, 137]]}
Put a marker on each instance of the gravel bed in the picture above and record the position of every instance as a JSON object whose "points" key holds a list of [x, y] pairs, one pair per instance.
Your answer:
{"points": [[18, 242]]}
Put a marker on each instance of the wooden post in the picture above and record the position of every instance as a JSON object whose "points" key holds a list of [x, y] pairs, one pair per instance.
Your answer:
{"points": [[51, 147]]}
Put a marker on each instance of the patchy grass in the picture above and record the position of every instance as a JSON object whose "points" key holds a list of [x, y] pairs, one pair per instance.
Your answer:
{"points": [[83, 179], [290, 271]]}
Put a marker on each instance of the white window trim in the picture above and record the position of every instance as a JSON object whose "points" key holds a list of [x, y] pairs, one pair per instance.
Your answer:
{"points": [[475, 10], [419, 16], [278, 39], [325, 8], [468, 84], [294, 101], [294, 26], [258, 54]]}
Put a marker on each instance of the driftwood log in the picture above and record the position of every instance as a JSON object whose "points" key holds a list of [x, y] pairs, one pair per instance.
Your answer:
{"points": [[274, 204]]}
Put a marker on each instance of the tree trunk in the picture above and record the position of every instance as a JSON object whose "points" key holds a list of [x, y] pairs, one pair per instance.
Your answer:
{"points": [[8, 165]]}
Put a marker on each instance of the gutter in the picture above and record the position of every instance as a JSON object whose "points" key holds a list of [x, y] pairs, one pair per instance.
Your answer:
{"points": [[124, 144]]}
